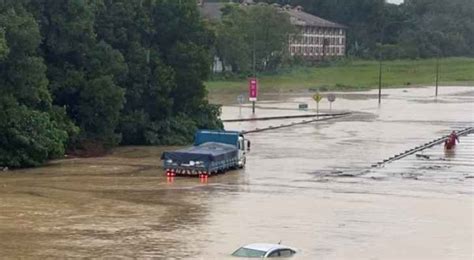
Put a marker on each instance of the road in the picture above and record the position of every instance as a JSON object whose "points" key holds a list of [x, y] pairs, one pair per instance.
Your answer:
{"points": [[310, 186]]}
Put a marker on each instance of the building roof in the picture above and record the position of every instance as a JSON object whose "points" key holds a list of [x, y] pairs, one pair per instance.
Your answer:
{"points": [[213, 11], [302, 18]]}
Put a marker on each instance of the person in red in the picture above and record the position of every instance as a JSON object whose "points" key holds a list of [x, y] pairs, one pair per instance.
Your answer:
{"points": [[451, 141], [454, 136]]}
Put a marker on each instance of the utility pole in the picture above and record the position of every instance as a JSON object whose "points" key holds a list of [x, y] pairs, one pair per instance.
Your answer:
{"points": [[382, 31], [380, 77], [437, 74], [254, 68]]}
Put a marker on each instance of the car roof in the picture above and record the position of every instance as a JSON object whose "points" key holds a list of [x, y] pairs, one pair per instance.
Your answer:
{"points": [[266, 246]]}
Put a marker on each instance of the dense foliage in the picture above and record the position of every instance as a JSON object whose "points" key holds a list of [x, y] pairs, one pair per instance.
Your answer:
{"points": [[75, 72], [414, 29], [252, 38]]}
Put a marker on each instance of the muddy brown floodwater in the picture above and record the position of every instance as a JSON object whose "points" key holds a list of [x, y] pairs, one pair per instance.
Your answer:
{"points": [[310, 186]]}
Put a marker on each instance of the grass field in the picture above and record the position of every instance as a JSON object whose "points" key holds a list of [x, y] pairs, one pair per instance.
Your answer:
{"points": [[358, 75]]}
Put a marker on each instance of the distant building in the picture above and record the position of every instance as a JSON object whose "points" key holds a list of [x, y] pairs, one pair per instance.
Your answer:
{"points": [[317, 38]]}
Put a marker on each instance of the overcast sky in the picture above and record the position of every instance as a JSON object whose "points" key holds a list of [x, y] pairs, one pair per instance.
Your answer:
{"points": [[395, 1]]}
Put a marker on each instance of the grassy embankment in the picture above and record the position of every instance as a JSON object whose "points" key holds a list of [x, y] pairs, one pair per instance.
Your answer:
{"points": [[357, 75]]}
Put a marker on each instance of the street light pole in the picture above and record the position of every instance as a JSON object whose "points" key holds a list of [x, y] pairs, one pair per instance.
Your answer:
{"points": [[382, 31], [437, 74], [254, 68], [380, 77]]}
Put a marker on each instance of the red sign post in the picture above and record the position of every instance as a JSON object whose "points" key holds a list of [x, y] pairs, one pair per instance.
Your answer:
{"points": [[253, 89], [253, 92]]}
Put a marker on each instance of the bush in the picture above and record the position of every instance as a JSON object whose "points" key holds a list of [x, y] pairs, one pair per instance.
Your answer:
{"points": [[178, 130], [29, 137]]}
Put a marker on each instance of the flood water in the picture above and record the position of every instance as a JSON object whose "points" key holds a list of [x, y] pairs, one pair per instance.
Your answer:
{"points": [[310, 186]]}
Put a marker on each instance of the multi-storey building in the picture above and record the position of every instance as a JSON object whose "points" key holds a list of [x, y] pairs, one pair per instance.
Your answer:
{"points": [[317, 38]]}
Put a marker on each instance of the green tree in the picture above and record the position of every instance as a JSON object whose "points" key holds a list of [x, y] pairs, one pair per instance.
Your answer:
{"points": [[30, 135], [417, 28], [231, 45], [438, 28], [166, 49], [78, 64], [3, 44], [23, 72], [260, 30], [128, 27]]}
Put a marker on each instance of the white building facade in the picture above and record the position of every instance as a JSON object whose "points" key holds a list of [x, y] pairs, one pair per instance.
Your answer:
{"points": [[317, 38]]}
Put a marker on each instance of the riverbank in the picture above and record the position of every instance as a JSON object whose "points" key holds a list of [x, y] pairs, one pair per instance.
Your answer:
{"points": [[356, 75]]}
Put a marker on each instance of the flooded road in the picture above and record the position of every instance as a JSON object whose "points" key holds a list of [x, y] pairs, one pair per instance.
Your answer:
{"points": [[310, 186]]}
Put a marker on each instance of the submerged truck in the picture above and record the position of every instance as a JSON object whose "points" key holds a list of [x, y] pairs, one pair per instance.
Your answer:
{"points": [[213, 152]]}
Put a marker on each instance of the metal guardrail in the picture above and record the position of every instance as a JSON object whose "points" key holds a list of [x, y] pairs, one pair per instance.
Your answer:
{"points": [[422, 147], [284, 117], [258, 130]]}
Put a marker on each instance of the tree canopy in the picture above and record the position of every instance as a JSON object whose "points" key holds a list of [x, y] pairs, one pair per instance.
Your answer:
{"points": [[260, 30], [100, 71]]}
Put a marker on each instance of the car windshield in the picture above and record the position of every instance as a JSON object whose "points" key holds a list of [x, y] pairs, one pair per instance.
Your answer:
{"points": [[246, 252]]}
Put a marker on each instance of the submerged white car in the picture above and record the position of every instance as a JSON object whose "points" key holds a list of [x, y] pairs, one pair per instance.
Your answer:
{"points": [[262, 250]]}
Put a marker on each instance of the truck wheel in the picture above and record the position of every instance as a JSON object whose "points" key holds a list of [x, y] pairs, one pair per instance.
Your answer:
{"points": [[243, 164]]}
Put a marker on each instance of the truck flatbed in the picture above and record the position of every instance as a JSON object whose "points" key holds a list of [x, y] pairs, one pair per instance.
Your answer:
{"points": [[213, 152]]}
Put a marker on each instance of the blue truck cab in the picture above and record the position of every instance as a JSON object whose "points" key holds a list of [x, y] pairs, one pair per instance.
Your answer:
{"points": [[213, 152]]}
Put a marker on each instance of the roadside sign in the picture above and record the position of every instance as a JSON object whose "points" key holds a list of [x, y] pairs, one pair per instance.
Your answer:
{"points": [[240, 99], [303, 106], [253, 89], [331, 97], [317, 97]]}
